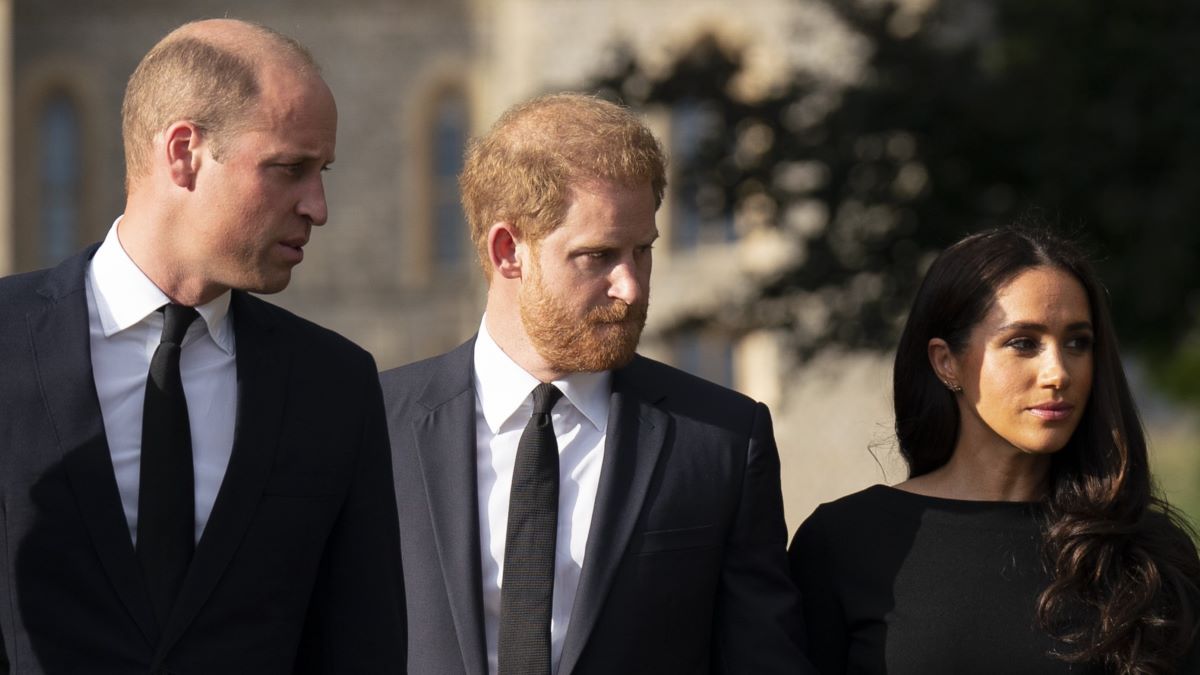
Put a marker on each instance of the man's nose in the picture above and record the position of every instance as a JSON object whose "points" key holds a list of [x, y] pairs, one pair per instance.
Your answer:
{"points": [[625, 285], [312, 202]]}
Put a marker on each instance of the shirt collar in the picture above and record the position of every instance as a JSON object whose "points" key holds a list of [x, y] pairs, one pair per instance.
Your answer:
{"points": [[125, 295], [502, 386]]}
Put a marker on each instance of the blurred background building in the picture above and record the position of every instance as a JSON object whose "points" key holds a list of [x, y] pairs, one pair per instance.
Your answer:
{"points": [[821, 151]]}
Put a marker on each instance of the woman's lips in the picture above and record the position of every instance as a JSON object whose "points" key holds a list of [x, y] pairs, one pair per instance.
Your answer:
{"points": [[1053, 411]]}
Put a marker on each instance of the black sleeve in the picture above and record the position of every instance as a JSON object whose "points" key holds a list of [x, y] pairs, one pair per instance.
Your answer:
{"points": [[3, 655], [824, 620], [757, 619], [357, 621], [1191, 660], [1191, 664]]}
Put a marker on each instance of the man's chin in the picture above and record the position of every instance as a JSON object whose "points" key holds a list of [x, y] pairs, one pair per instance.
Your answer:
{"points": [[623, 360], [610, 346], [269, 285]]}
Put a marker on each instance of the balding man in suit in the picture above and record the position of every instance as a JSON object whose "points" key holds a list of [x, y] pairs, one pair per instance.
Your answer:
{"points": [[193, 480]]}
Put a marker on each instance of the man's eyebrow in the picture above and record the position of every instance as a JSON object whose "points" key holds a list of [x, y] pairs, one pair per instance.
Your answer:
{"points": [[298, 156]]}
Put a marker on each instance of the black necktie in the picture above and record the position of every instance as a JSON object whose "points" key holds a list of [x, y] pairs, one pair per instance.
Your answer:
{"points": [[166, 493], [528, 589]]}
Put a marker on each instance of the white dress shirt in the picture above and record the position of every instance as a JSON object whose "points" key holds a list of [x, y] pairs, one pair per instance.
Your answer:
{"points": [[125, 329], [503, 406]]}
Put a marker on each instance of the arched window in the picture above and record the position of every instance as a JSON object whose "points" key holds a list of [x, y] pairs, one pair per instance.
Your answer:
{"points": [[59, 144], [699, 212], [450, 124]]}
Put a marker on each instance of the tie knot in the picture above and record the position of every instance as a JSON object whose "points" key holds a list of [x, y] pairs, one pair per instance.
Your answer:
{"points": [[176, 319], [545, 395]]}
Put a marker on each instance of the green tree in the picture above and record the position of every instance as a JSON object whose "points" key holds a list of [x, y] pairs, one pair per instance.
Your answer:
{"points": [[1085, 111]]}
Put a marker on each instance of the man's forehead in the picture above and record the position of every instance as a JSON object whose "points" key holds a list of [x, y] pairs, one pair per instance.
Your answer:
{"points": [[289, 97], [600, 184], [625, 215]]}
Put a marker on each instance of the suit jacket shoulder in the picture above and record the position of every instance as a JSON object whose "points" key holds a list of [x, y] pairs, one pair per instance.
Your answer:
{"points": [[432, 379], [685, 395], [24, 292], [19, 297], [20, 290], [296, 329], [674, 378]]}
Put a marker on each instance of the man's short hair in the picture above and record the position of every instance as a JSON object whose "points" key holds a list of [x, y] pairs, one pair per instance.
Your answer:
{"points": [[523, 169], [185, 77]]}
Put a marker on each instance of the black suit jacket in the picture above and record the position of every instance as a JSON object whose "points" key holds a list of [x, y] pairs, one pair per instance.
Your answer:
{"points": [[298, 565], [684, 570]]}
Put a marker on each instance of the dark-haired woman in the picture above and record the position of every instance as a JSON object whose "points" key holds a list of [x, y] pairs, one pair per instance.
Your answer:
{"points": [[1027, 538]]}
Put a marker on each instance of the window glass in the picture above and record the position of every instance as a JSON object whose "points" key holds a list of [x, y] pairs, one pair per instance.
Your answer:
{"points": [[59, 143], [450, 235]]}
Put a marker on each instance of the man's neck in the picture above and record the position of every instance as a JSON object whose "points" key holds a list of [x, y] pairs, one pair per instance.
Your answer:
{"points": [[504, 325], [148, 245]]}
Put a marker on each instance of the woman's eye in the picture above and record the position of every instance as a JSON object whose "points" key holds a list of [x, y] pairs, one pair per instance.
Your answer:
{"points": [[1080, 343], [1022, 344]]}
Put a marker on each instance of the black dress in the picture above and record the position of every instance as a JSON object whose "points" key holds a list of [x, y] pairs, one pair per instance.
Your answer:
{"points": [[905, 584]]}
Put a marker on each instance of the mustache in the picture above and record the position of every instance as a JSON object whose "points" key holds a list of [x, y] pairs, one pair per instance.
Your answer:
{"points": [[618, 312]]}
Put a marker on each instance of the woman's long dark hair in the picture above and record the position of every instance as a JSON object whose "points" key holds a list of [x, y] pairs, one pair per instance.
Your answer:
{"points": [[1123, 568]]}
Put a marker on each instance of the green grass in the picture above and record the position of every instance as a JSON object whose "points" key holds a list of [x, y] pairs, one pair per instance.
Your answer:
{"points": [[1175, 461]]}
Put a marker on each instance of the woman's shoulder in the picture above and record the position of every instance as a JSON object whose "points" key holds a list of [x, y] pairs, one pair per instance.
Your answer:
{"points": [[863, 501], [854, 513], [880, 513], [868, 504], [846, 539]]}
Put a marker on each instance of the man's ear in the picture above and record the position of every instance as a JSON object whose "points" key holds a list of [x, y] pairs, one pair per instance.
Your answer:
{"points": [[502, 250], [183, 153], [945, 366]]}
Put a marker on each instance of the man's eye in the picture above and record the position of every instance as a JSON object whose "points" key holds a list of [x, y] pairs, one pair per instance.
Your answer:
{"points": [[292, 169]]}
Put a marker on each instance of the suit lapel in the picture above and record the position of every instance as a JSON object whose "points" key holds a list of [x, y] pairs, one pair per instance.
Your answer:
{"points": [[445, 442], [62, 351], [263, 364], [637, 430]]}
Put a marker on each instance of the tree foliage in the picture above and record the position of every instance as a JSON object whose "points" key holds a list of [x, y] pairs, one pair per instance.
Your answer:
{"points": [[1084, 111]]}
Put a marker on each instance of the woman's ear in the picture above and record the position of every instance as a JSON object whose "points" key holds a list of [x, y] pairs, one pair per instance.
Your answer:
{"points": [[944, 364]]}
